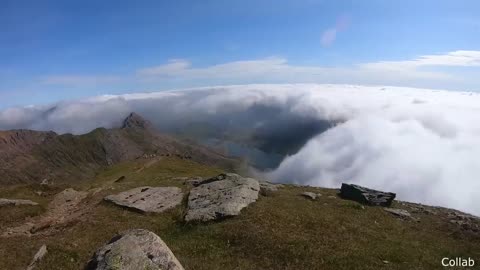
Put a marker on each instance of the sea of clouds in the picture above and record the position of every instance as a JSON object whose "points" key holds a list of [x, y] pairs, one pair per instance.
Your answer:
{"points": [[422, 144]]}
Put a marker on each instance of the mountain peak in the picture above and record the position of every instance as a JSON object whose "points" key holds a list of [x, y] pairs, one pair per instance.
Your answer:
{"points": [[134, 120]]}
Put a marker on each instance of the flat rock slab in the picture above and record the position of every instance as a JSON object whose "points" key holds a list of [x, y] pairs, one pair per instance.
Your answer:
{"points": [[366, 196], [6, 202], [148, 199], [311, 195], [133, 250], [222, 196], [398, 212]]}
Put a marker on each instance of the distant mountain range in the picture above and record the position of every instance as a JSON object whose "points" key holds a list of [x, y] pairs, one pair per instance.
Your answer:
{"points": [[28, 156]]}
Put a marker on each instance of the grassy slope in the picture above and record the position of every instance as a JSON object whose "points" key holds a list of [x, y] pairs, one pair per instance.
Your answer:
{"points": [[284, 231]]}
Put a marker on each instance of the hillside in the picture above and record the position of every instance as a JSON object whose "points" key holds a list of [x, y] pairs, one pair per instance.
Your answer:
{"points": [[28, 156], [282, 230]]}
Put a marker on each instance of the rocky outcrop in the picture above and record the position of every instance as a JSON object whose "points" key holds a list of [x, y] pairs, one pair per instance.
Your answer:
{"points": [[148, 199], [132, 250], [465, 221], [222, 196], [366, 196], [68, 158], [134, 120], [38, 257], [6, 202]]}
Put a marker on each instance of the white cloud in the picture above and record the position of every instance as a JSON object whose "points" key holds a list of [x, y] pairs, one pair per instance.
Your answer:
{"points": [[422, 144], [183, 69], [173, 67], [423, 71], [279, 70], [451, 59]]}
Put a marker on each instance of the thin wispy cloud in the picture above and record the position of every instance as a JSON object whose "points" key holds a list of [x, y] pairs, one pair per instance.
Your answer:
{"points": [[173, 67], [423, 71], [330, 35], [451, 59], [79, 80]]}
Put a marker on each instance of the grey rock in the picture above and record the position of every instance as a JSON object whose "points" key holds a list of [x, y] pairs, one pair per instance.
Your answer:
{"points": [[366, 196], [38, 256], [148, 199], [267, 188], [5, 202], [222, 196], [132, 250], [398, 212], [464, 221], [310, 195]]}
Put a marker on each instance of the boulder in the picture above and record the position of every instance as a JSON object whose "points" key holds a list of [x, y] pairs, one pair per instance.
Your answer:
{"points": [[222, 196], [366, 196], [267, 188], [132, 250], [6, 202], [398, 212], [38, 256], [148, 199]]}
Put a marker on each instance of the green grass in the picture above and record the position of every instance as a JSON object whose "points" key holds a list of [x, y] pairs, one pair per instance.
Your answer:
{"points": [[282, 231]]}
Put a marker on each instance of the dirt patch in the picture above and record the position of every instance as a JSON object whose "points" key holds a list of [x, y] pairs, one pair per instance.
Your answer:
{"points": [[66, 208]]}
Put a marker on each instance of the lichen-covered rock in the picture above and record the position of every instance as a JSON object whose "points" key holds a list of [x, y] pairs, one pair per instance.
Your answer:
{"points": [[133, 250], [366, 196], [148, 199], [5, 202], [222, 196]]}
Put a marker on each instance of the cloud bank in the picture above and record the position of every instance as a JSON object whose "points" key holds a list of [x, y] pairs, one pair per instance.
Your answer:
{"points": [[422, 144], [452, 70]]}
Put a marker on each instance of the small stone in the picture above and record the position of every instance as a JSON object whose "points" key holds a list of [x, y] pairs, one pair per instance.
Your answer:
{"points": [[38, 256]]}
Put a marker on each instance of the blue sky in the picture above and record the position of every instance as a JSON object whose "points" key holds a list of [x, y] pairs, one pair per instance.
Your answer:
{"points": [[53, 50]]}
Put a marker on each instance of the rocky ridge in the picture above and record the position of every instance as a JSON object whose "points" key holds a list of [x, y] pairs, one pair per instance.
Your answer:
{"points": [[28, 156]]}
